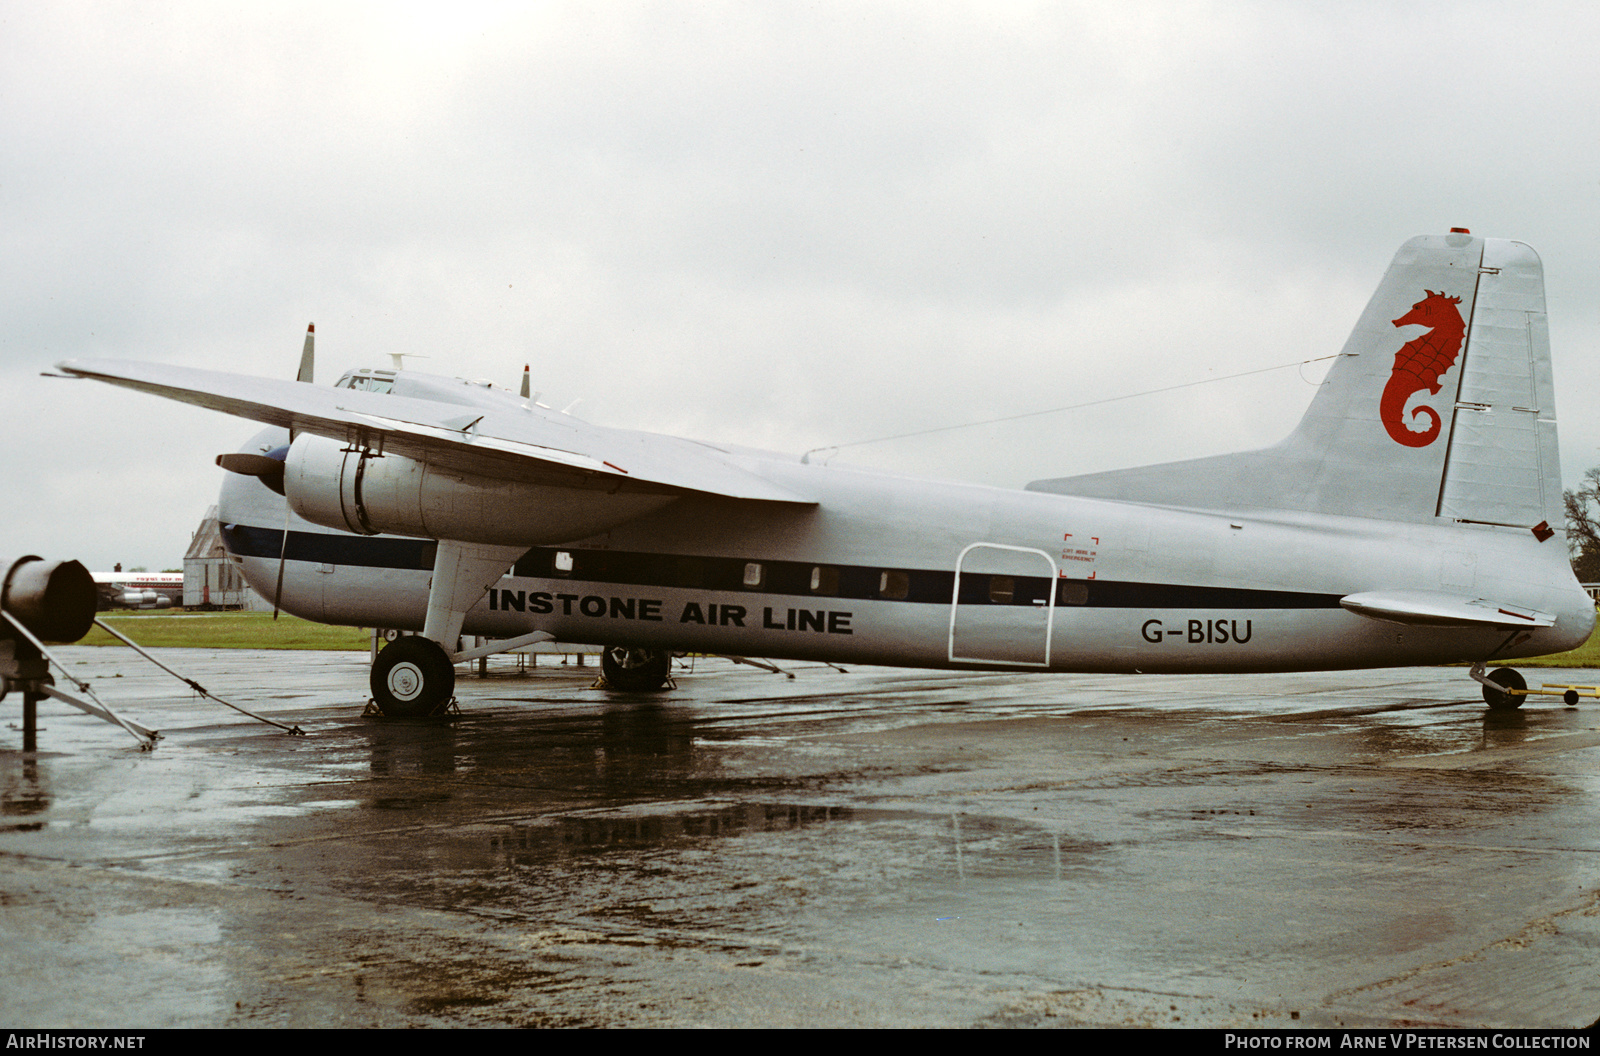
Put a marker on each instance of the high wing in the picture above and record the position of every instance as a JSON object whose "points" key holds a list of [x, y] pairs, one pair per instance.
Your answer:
{"points": [[522, 443]]}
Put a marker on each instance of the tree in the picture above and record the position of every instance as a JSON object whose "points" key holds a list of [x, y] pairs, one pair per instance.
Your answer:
{"points": [[1583, 527]]}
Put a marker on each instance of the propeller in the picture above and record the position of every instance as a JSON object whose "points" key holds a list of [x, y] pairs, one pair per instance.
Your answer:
{"points": [[307, 363], [268, 466], [307, 354], [283, 553]]}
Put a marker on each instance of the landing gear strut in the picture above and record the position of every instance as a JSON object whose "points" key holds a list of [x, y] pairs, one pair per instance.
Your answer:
{"points": [[412, 677], [415, 675], [635, 670]]}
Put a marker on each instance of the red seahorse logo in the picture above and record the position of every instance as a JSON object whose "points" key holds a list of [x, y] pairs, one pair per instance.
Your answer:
{"points": [[1420, 364]]}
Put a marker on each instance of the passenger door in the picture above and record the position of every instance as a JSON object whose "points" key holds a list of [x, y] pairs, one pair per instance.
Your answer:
{"points": [[1002, 607]]}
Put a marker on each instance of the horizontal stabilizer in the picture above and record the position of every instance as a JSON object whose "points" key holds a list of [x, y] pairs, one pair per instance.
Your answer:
{"points": [[1427, 608], [1439, 407], [513, 443]]}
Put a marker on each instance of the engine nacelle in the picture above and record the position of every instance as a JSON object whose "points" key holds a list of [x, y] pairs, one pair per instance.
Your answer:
{"points": [[329, 483], [55, 600]]}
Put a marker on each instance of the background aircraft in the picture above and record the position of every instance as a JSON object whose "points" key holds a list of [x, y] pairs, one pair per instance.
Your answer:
{"points": [[139, 590], [1413, 517]]}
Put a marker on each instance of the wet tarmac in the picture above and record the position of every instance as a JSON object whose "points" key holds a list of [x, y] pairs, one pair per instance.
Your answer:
{"points": [[871, 848]]}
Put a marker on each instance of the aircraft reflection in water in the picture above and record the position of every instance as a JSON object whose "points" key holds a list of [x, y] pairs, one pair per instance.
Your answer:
{"points": [[1413, 517]]}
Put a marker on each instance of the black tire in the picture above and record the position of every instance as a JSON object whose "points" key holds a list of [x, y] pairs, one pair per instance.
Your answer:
{"points": [[412, 677], [635, 670], [1509, 679]]}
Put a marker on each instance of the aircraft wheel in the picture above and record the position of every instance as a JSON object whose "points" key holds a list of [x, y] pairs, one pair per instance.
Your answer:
{"points": [[635, 670], [412, 677], [1508, 679]]}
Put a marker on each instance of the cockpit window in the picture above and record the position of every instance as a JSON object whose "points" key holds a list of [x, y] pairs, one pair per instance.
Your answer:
{"points": [[363, 381]]}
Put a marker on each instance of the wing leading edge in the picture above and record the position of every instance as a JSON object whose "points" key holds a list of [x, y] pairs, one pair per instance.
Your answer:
{"points": [[528, 444]]}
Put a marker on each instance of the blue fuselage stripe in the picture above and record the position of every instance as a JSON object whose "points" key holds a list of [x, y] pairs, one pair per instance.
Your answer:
{"points": [[792, 578]]}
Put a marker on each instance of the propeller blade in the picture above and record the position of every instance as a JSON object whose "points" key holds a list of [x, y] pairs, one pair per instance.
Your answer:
{"points": [[283, 553], [307, 355]]}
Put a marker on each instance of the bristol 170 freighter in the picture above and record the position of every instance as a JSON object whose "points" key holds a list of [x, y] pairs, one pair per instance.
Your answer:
{"points": [[1413, 517]]}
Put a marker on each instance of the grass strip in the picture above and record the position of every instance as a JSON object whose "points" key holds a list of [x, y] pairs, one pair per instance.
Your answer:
{"points": [[227, 630]]}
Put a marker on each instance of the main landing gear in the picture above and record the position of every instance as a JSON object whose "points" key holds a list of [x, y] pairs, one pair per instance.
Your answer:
{"points": [[635, 670], [412, 678], [415, 676]]}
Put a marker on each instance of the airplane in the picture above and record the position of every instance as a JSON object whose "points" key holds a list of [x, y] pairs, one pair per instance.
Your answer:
{"points": [[1414, 516], [139, 590]]}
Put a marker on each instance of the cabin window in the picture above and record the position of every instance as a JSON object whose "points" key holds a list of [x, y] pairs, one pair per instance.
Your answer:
{"points": [[894, 585], [753, 574], [1001, 590], [824, 580], [1072, 592], [563, 562]]}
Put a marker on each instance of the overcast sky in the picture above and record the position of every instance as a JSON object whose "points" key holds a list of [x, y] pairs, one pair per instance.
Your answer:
{"points": [[785, 225]]}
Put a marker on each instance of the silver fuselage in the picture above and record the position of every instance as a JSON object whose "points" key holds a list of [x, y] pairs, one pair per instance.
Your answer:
{"points": [[892, 570]]}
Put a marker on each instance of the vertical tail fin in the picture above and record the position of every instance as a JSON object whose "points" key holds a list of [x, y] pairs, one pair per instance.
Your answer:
{"points": [[1440, 405]]}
